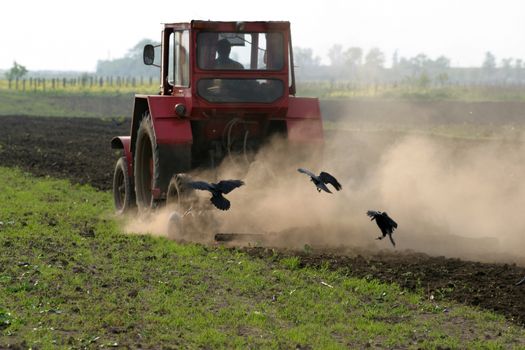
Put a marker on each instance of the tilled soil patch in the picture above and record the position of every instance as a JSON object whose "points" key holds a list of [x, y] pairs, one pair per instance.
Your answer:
{"points": [[488, 286], [79, 149], [73, 148]]}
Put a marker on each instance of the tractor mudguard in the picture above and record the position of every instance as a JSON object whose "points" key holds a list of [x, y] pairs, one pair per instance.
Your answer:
{"points": [[124, 143], [170, 129], [303, 120]]}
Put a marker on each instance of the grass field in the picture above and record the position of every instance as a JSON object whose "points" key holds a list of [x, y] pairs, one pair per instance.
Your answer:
{"points": [[72, 101], [69, 278], [93, 100], [411, 91], [50, 104]]}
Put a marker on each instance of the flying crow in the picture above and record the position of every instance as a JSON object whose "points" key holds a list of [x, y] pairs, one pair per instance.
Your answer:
{"points": [[521, 282], [217, 190], [385, 223], [321, 180]]}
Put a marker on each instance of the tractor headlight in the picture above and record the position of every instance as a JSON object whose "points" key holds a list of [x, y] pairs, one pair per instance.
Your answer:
{"points": [[180, 110]]}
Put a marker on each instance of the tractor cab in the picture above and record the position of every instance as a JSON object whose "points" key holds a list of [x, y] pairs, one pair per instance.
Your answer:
{"points": [[226, 62]]}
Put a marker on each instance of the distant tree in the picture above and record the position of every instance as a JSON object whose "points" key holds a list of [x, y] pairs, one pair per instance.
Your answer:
{"points": [[335, 55], [136, 51], [131, 65], [374, 63], [16, 72], [518, 64], [404, 63], [506, 68], [375, 58], [353, 56], [423, 81], [395, 59], [304, 57], [506, 63], [419, 62], [442, 78], [489, 63], [442, 62]]}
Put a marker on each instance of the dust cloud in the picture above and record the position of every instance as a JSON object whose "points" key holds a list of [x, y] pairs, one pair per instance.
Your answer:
{"points": [[154, 223], [451, 197]]}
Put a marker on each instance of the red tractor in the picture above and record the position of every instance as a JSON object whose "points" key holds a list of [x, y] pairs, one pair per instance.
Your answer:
{"points": [[225, 87]]}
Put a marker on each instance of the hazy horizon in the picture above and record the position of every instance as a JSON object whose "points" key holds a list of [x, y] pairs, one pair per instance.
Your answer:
{"points": [[73, 36]]}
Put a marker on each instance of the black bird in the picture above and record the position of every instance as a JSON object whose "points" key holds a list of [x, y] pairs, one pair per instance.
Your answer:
{"points": [[217, 190], [321, 180], [521, 282], [385, 223]]}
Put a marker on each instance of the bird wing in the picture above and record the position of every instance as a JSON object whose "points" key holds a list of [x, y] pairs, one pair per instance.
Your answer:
{"points": [[226, 186], [390, 221], [307, 172], [200, 185], [329, 179], [220, 202], [521, 282]]}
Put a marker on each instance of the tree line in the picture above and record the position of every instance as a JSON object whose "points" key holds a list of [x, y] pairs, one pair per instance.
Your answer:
{"points": [[354, 64], [346, 64]]}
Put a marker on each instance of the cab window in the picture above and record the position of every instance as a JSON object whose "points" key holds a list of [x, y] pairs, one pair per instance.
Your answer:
{"points": [[236, 51], [178, 66]]}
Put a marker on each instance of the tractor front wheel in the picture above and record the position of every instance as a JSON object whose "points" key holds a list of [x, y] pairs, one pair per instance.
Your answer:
{"points": [[123, 193]]}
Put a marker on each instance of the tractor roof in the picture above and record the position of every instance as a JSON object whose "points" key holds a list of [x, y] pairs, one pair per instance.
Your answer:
{"points": [[231, 25]]}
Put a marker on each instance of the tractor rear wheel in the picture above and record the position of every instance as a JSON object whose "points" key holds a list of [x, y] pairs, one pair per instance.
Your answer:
{"points": [[146, 167], [177, 190], [123, 192]]}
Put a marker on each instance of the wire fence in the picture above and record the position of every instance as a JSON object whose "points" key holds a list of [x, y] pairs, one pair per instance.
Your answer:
{"points": [[89, 83], [322, 89]]}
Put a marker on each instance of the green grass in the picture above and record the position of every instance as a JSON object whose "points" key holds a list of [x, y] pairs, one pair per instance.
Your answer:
{"points": [[74, 101], [60, 105], [410, 92], [69, 278]]}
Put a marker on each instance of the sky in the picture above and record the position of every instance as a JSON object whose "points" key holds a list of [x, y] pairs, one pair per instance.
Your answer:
{"points": [[74, 35]]}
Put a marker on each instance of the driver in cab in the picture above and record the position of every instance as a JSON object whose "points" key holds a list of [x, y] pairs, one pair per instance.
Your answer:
{"points": [[223, 60]]}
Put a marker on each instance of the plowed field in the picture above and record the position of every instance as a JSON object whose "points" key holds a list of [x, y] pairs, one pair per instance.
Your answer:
{"points": [[79, 149]]}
